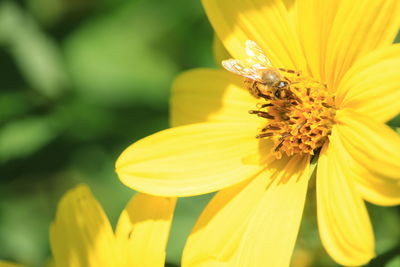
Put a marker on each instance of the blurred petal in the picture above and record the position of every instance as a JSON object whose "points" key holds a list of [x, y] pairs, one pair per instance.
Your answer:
{"points": [[219, 51], [210, 95], [81, 234], [343, 222], [359, 27], [238, 205], [265, 22], [272, 229], [371, 86], [191, 160], [143, 229], [9, 264], [289, 4], [372, 144], [209, 263]]}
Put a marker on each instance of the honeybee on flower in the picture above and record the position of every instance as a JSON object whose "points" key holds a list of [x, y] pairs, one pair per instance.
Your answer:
{"points": [[262, 77]]}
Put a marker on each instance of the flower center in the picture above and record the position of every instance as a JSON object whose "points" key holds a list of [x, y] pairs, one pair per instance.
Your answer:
{"points": [[299, 112]]}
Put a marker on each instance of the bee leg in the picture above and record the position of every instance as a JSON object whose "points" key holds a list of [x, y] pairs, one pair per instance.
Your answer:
{"points": [[266, 105], [293, 95], [267, 97], [270, 127], [262, 114], [290, 71], [284, 135], [290, 82], [278, 146]]}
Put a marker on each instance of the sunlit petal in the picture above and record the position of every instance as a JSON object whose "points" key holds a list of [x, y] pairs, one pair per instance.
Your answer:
{"points": [[314, 21], [374, 145], [265, 22], [343, 221], [253, 202], [358, 28], [272, 229], [375, 188], [371, 86], [193, 159], [234, 204]]}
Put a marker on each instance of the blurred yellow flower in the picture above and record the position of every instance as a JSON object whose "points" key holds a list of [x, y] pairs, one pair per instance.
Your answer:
{"points": [[81, 235], [9, 264], [347, 87]]}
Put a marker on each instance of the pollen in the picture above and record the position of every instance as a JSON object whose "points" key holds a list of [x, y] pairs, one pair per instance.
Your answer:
{"points": [[299, 118]]}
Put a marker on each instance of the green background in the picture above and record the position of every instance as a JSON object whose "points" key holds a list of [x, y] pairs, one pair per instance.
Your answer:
{"points": [[83, 79]]}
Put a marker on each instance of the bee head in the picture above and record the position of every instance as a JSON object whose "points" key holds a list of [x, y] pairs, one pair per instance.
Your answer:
{"points": [[277, 94]]}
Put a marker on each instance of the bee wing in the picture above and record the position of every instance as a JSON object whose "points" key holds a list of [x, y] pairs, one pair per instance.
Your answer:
{"points": [[237, 67], [256, 54]]}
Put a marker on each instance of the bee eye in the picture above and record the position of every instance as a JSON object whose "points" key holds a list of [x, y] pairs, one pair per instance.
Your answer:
{"points": [[277, 94]]}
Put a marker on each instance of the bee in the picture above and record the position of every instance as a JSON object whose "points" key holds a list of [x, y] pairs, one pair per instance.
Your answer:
{"points": [[262, 78]]}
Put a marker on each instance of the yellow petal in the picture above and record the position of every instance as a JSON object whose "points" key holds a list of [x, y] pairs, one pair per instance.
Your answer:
{"points": [[314, 20], [237, 205], [372, 144], [233, 205], [209, 263], [210, 95], [289, 4], [343, 221], [371, 86], [81, 234], [9, 264], [265, 22], [359, 27], [143, 229], [376, 189], [272, 229], [372, 187], [220, 53], [190, 160]]}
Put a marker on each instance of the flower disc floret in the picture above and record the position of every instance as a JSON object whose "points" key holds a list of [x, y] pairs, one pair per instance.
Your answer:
{"points": [[300, 121]]}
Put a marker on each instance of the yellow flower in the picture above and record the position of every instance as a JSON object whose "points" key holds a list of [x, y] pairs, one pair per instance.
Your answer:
{"points": [[343, 86], [9, 264], [81, 235]]}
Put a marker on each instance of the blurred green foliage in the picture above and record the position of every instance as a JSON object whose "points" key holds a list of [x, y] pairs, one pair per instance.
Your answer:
{"points": [[80, 81]]}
